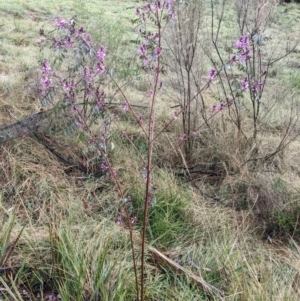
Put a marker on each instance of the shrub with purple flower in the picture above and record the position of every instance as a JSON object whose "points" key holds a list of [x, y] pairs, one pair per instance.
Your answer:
{"points": [[77, 85]]}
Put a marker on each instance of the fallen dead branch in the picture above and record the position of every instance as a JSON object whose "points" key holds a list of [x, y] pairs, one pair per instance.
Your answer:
{"points": [[24, 127], [168, 263]]}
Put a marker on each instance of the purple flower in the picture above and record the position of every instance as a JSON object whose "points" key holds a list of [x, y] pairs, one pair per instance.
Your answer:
{"points": [[103, 167], [74, 110], [157, 5], [137, 11], [41, 41], [146, 61], [218, 108], [257, 86], [57, 43], [46, 82], [171, 13], [211, 74], [69, 85], [142, 50], [79, 123], [244, 84], [133, 219], [88, 74], [103, 137], [126, 107], [100, 105], [88, 90], [101, 53], [157, 51], [245, 56], [181, 139], [69, 43], [233, 60], [88, 39], [60, 22], [100, 68], [148, 7], [153, 36], [100, 95], [243, 42], [45, 67]]}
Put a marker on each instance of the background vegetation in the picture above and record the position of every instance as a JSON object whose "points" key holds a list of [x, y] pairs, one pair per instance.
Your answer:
{"points": [[224, 207]]}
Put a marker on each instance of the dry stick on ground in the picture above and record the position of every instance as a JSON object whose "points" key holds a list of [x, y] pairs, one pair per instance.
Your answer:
{"points": [[30, 125], [166, 262], [22, 127]]}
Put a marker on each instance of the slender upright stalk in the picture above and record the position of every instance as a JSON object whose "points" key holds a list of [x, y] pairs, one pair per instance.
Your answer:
{"points": [[151, 127]]}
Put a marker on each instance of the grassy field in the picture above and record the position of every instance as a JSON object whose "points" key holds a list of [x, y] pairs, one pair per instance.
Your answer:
{"points": [[237, 228]]}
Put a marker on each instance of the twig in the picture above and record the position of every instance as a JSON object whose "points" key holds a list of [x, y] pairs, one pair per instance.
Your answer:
{"points": [[6, 269], [166, 262]]}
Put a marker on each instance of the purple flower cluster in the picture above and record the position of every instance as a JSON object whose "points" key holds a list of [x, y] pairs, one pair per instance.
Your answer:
{"points": [[257, 86], [142, 50], [104, 167], [101, 53], [70, 37], [61, 23], [103, 137], [211, 74], [157, 51], [125, 106], [88, 74], [244, 56], [218, 108], [46, 69], [68, 42], [46, 83], [182, 138], [100, 96], [74, 110], [244, 84], [69, 85], [242, 43], [152, 40], [100, 68]]}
